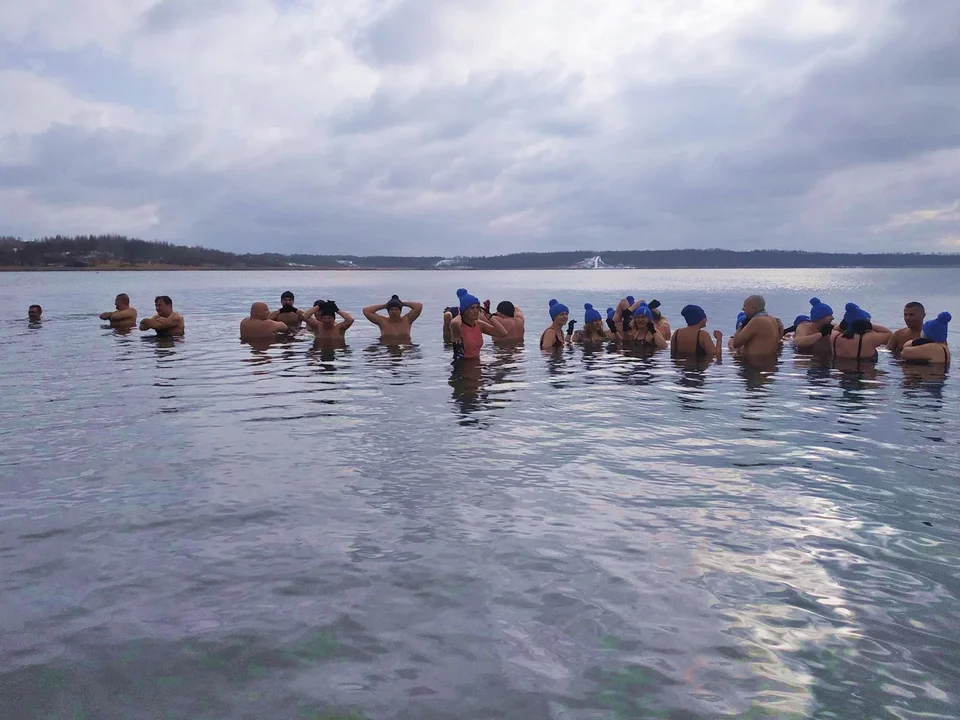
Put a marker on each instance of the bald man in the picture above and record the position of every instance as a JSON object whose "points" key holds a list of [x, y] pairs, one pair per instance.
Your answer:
{"points": [[761, 333], [123, 315], [259, 326]]}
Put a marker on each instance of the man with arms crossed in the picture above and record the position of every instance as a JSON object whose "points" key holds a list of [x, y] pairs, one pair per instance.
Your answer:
{"points": [[913, 315], [760, 334], [123, 315], [166, 322]]}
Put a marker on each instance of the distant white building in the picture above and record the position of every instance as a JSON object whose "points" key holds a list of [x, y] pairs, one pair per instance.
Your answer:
{"points": [[597, 263]]}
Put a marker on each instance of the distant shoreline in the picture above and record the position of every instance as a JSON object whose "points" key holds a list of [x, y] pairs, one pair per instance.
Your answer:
{"points": [[190, 268]]}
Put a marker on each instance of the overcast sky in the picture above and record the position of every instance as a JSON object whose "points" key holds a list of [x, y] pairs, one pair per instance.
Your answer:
{"points": [[484, 126]]}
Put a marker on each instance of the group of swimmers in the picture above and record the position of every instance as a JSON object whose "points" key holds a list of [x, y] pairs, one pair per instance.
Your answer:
{"points": [[634, 322]]}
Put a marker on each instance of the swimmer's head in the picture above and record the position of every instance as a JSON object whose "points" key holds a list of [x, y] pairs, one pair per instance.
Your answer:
{"points": [[643, 310], [592, 316], [453, 310], [394, 306], [754, 304], [328, 314], [122, 301], [466, 299], [559, 312], [913, 315], [34, 312], [820, 312], [259, 311], [694, 315], [506, 308], [163, 304], [800, 319], [936, 329], [286, 299]]}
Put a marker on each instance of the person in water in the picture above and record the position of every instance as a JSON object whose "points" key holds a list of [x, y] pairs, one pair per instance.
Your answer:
{"points": [[798, 321], [931, 347], [511, 317], [815, 334], [760, 333], [166, 322], [694, 340], [913, 317], [470, 325], [659, 321], [857, 337], [124, 314], [259, 326], [593, 330], [395, 327], [35, 313], [288, 313], [449, 313], [643, 331], [554, 336], [325, 325]]}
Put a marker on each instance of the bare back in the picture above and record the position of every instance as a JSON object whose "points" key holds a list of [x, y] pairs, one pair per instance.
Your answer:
{"points": [[759, 337], [515, 327]]}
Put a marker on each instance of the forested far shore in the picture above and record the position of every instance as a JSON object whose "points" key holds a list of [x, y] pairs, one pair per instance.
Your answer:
{"points": [[115, 252]]}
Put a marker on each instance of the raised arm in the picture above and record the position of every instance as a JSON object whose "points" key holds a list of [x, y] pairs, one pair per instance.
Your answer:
{"points": [[492, 326], [718, 347], [370, 313], [885, 333], [659, 341], [347, 320], [415, 310], [456, 331]]}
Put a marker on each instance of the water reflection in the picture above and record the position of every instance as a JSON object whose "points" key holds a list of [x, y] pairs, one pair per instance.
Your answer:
{"points": [[466, 379], [692, 380]]}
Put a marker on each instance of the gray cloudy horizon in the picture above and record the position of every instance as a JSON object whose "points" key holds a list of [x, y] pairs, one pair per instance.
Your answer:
{"points": [[429, 127]]}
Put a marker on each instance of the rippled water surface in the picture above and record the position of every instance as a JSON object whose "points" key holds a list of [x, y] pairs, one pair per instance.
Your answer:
{"points": [[199, 529]]}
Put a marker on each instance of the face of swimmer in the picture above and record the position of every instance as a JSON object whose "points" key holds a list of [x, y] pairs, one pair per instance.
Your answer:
{"points": [[561, 319], [472, 313]]}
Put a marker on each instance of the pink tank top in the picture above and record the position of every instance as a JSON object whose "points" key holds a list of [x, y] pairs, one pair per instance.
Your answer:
{"points": [[472, 340]]}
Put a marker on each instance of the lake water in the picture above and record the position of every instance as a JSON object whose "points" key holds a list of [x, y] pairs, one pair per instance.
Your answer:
{"points": [[201, 530]]}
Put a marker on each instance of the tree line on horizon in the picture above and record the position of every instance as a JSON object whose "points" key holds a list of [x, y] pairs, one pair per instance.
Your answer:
{"points": [[116, 250]]}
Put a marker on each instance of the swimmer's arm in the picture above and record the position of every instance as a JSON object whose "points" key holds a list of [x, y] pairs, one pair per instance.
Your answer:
{"points": [[275, 314], [456, 333], [370, 313], [492, 326], [808, 340], [347, 320], [658, 341], [155, 323], [706, 342], [744, 335], [282, 327], [718, 348], [894, 342], [577, 336], [885, 332], [307, 314], [312, 322], [549, 337], [108, 314], [910, 352], [664, 329], [128, 314], [447, 319], [415, 310]]}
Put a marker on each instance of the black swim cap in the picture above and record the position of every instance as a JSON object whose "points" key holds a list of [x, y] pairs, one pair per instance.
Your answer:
{"points": [[394, 302], [286, 294], [506, 308], [328, 308]]}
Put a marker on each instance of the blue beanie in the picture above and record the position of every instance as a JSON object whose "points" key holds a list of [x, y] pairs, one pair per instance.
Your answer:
{"points": [[610, 313], [693, 314], [803, 318], [936, 329], [556, 308], [466, 299], [643, 309], [819, 310], [590, 315], [630, 300], [741, 318], [854, 312]]}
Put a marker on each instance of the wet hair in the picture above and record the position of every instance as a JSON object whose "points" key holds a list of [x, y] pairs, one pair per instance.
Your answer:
{"points": [[165, 299], [915, 306], [506, 308], [286, 294], [394, 302], [328, 308], [35, 306], [124, 297]]}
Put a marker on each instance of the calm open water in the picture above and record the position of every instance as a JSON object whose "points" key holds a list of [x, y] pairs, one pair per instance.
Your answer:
{"points": [[200, 530]]}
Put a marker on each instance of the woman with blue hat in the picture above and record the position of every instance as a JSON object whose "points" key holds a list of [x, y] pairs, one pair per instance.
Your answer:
{"points": [[643, 331], [931, 347], [857, 337], [593, 330], [468, 327], [553, 337], [694, 340]]}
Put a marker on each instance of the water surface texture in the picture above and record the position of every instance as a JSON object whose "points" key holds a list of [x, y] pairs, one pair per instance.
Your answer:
{"points": [[197, 529]]}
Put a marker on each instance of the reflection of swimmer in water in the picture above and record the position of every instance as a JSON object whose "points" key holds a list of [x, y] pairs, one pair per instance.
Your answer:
{"points": [[123, 315], [913, 316], [931, 348], [325, 326], [35, 313], [166, 322], [858, 338], [760, 334], [694, 340], [469, 327], [395, 327], [814, 335], [259, 326], [593, 330], [288, 313], [553, 337]]}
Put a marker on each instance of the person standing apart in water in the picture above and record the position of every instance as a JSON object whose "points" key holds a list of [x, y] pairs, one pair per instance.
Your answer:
{"points": [[288, 313], [554, 337], [166, 322], [694, 340], [469, 326], [35, 313], [931, 348], [913, 317], [395, 327], [327, 328], [124, 314], [760, 334]]}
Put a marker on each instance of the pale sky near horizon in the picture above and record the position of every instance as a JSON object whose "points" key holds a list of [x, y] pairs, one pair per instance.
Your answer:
{"points": [[483, 127]]}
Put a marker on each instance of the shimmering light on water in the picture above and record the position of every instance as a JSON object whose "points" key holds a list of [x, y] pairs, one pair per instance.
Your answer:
{"points": [[200, 529]]}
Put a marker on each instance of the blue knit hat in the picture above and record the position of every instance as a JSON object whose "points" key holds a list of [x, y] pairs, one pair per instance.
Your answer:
{"points": [[852, 313], [644, 310], [819, 310], [556, 308], [590, 315], [466, 299], [936, 329], [610, 313], [693, 314], [801, 319], [741, 318], [630, 300]]}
